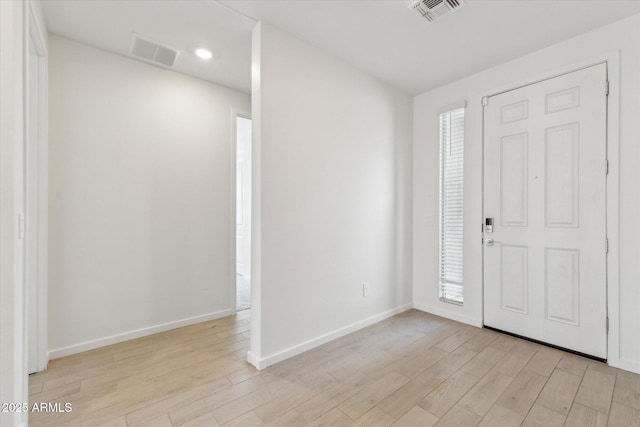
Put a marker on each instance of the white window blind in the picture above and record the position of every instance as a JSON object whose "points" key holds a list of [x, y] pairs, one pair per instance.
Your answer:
{"points": [[451, 205]]}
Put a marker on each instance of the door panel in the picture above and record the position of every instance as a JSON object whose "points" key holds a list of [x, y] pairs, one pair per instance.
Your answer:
{"points": [[514, 184], [562, 285], [545, 188], [562, 147], [514, 278]]}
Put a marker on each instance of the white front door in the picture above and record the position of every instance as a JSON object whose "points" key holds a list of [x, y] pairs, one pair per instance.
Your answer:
{"points": [[545, 189]]}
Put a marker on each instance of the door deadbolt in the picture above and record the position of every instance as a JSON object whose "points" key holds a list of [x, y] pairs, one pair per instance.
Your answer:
{"points": [[488, 225]]}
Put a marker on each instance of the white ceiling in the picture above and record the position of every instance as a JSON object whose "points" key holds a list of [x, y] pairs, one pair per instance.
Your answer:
{"points": [[393, 43], [182, 25], [381, 37]]}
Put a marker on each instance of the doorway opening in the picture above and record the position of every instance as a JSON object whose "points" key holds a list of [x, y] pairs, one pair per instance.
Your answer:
{"points": [[243, 213]]}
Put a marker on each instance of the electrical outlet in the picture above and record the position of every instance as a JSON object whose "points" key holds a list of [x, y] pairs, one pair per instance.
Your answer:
{"points": [[365, 289]]}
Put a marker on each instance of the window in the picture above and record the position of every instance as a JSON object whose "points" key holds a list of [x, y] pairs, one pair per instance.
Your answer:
{"points": [[451, 205]]}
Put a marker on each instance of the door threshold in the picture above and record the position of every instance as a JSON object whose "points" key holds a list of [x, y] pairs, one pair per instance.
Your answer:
{"points": [[557, 347]]}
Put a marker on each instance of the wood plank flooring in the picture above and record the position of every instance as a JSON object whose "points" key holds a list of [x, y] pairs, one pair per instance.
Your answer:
{"points": [[414, 369]]}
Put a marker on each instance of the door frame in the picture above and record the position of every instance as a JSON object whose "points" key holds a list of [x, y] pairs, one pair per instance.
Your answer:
{"points": [[235, 113], [36, 180], [612, 60]]}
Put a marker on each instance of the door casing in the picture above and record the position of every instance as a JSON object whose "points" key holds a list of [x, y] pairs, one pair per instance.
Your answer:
{"points": [[36, 196]]}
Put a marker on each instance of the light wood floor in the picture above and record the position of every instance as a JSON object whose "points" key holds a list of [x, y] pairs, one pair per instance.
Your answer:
{"points": [[414, 369]]}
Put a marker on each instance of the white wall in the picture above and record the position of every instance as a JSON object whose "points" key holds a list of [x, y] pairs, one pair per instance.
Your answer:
{"points": [[139, 197], [622, 37], [332, 149], [13, 369]]}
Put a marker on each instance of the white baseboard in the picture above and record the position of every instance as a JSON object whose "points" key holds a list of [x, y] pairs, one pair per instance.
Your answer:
{"points": [[627, 365], [448, 314], [261, 363], [19, 419], [113, 339], [15, 419], [255, 361]]}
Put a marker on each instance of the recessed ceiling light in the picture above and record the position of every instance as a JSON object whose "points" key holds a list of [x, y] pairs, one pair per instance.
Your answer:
{"points": [[204, 53]]}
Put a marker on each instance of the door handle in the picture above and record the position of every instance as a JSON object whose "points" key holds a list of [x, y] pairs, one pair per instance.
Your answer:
{"points": [[490, 242]]}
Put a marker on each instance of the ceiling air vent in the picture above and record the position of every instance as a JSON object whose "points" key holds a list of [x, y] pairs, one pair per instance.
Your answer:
{"points": [[153, 52], [432, 10]]}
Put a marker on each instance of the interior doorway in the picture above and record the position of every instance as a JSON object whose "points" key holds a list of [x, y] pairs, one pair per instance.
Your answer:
{"points": [[243, 213]]}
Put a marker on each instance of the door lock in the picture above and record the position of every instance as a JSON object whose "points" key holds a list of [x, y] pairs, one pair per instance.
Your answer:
{"points": [[488, 225]]}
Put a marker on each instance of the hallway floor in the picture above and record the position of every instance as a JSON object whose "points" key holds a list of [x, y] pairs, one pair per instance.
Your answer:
{"points": [[414, 369]]}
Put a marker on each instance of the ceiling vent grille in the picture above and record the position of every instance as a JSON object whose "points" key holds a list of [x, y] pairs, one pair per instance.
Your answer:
{"points": [[432, 10], [153, 52]]}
